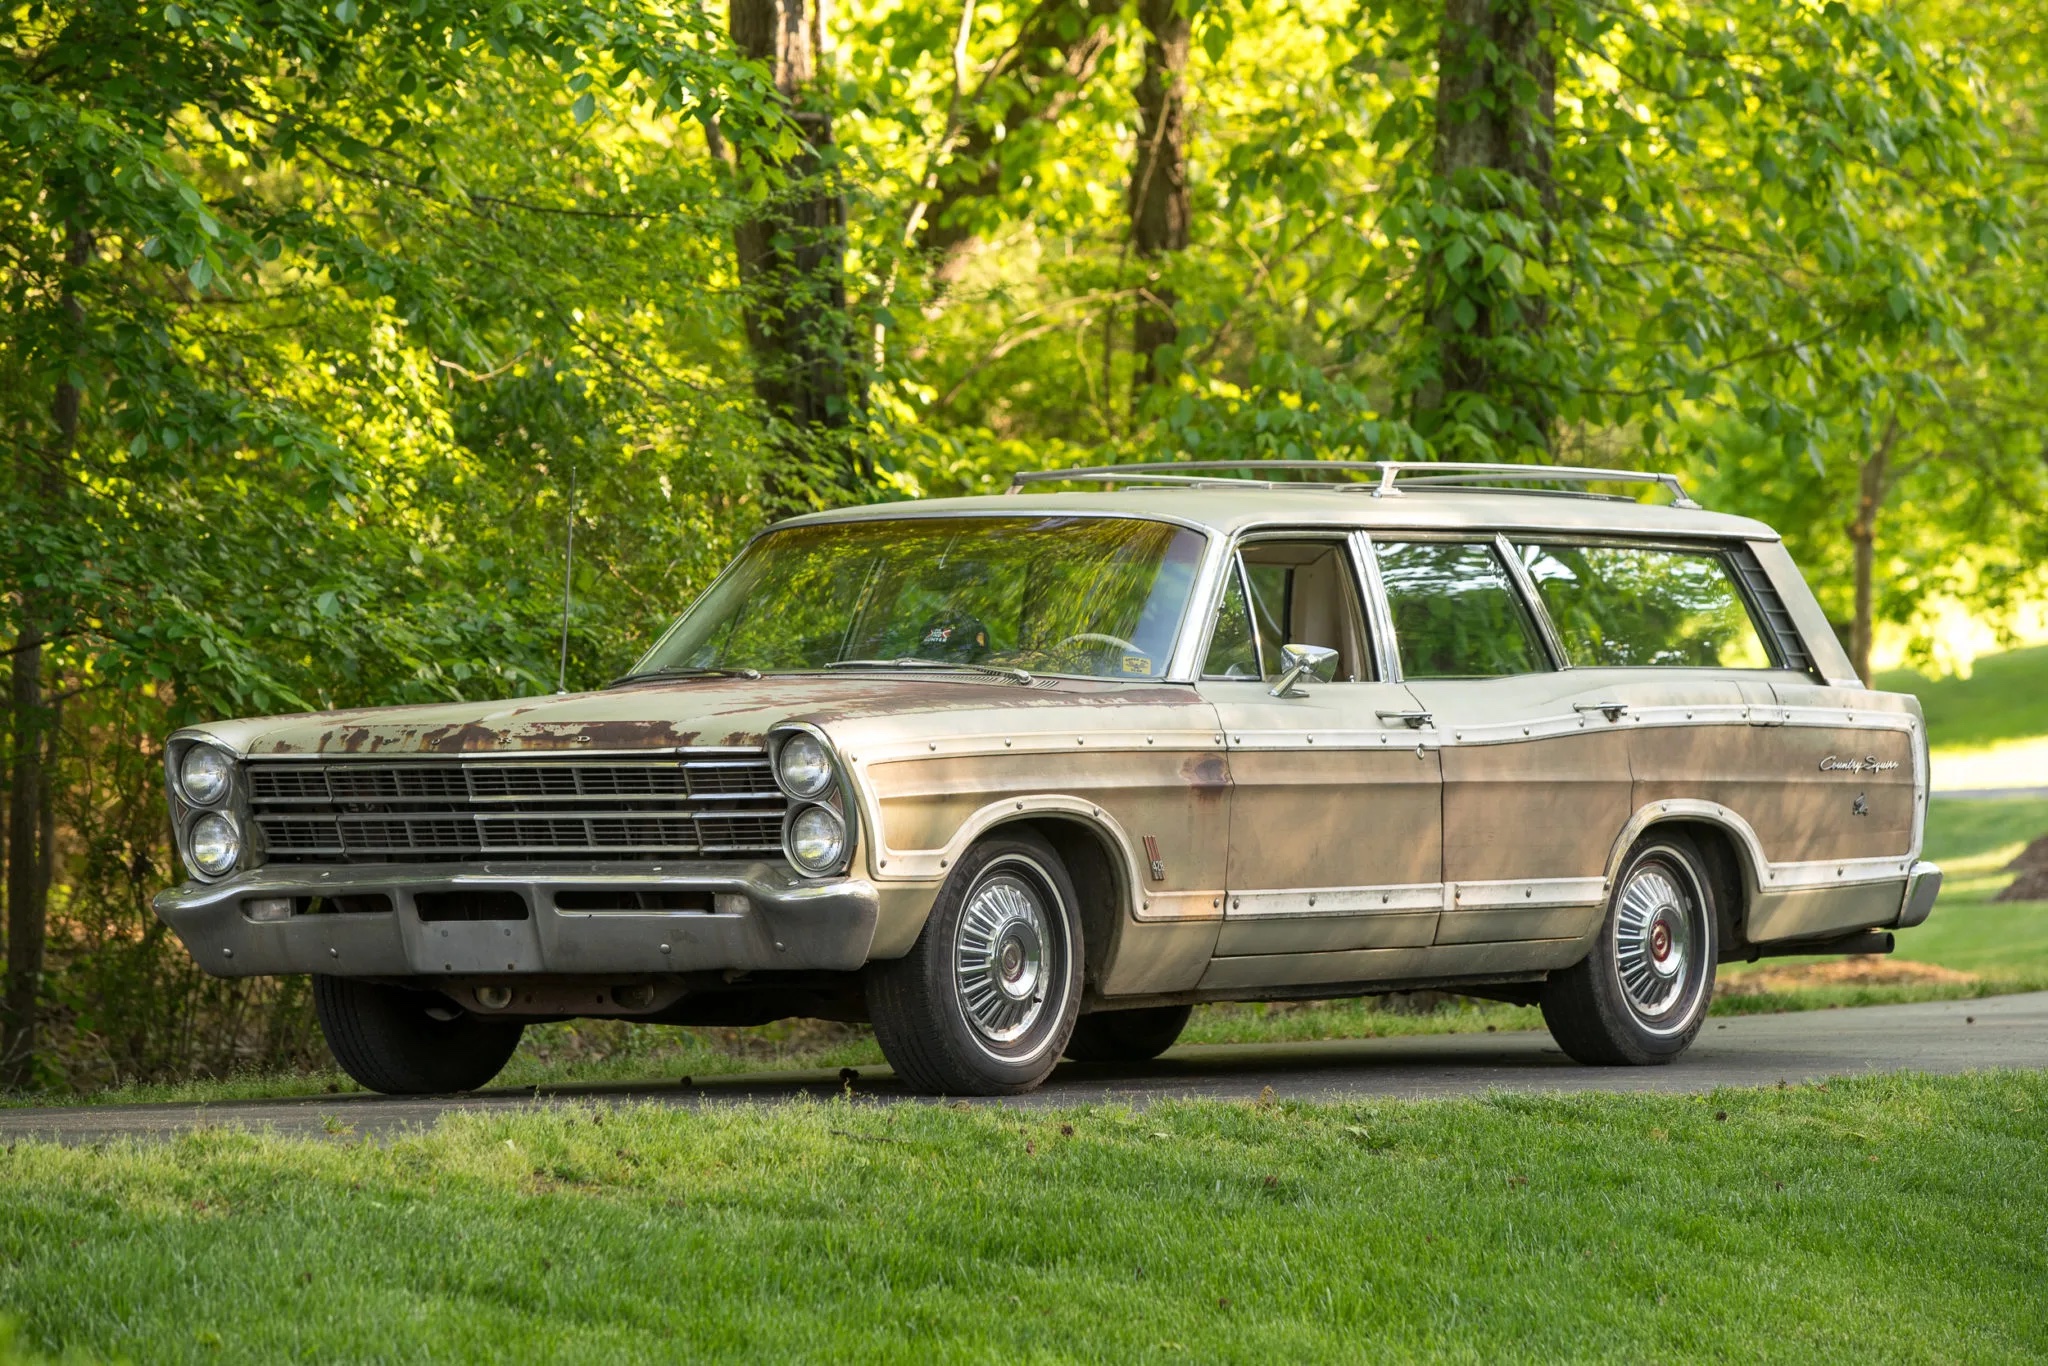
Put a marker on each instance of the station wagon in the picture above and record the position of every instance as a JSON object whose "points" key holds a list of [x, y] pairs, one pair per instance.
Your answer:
{"points": [[1031, 775]]}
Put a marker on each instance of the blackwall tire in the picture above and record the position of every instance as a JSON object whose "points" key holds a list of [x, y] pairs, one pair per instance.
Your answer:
{"points": [[983, 1003], [1642, 994], [1127, 1035], [392, 1040]]}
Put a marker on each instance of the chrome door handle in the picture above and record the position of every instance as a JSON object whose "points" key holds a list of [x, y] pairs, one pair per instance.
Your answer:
{"points": [[1414, 720], [1611, 710]]}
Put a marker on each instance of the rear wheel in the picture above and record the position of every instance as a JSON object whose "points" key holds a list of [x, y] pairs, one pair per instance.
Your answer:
{"points": [[1127, 1035], [984, 1001], [1642, 994], [409, 1043]]}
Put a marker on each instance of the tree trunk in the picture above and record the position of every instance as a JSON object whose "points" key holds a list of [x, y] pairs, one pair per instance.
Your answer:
{"points": [[31, 858], [1159, 178], [28, 892], [1495, 108], [1870, 494], [792, 255], [1057, 49]]}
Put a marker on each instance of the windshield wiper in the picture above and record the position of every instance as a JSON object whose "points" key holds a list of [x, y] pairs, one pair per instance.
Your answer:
{"points": [[913, 662], [680, 671]]}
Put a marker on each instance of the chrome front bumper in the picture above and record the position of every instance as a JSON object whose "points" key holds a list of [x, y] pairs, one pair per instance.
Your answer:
{"points": [[789, 923]]}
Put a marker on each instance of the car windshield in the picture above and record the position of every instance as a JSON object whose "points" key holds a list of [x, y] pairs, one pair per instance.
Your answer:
{"points": [[1096, 596]]}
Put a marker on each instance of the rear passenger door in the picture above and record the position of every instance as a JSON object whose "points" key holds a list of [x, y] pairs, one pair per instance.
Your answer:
{"points": [[1335, 824], [1536, 780]]}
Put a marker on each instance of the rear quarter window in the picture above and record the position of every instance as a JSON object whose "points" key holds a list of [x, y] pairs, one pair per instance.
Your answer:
{"points": [[1645, 606]]}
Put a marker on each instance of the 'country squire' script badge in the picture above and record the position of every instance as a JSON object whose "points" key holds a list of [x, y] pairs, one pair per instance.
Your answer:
{"points": [[1869, 764]]}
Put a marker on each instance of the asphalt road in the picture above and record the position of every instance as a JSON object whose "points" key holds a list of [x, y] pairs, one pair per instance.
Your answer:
{"points": [[1757, 1050]]}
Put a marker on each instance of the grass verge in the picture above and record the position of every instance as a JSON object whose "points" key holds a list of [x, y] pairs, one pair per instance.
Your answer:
{"points": [[1893, 1217]]}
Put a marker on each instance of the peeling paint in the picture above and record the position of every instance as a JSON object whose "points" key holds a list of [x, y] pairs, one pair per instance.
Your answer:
{"points": [[1207, 774]]}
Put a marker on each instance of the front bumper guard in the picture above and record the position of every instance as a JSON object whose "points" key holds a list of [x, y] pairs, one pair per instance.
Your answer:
{"points": [[789, 923]]}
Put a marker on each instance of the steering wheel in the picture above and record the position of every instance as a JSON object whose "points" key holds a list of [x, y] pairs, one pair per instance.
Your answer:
{"points": [[1099, 638]]}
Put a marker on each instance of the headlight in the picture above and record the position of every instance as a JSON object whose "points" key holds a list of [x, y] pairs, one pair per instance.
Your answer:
{"points": [[817, 839], [204, 774], [213, 844], [803, 767]]}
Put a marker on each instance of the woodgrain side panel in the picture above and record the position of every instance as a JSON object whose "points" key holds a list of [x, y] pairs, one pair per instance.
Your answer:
{"points": [[1779, 779], [1543, 808]]}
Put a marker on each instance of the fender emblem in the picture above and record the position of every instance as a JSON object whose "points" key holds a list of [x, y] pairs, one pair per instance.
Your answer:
{"points": [[1158, 868]]}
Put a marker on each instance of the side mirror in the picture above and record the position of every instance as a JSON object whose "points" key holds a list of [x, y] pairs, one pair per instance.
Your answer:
{"points": [[1303, 662]]}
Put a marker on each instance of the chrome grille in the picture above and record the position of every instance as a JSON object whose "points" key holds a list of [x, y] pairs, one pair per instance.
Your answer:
{"points": [[721, 804]]}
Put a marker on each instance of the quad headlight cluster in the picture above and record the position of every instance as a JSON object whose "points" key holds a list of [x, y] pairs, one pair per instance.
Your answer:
{"points": [[202, 783], [816, 834]]}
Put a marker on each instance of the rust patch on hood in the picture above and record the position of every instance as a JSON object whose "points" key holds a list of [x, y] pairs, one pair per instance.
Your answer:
{"points": [[476, 736], [725, 713]]}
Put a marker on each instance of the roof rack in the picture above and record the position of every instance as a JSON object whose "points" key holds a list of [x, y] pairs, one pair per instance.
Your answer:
{"points": [[1390, 475]]}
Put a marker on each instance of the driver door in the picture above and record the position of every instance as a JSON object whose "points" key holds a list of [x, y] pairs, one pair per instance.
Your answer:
{"points": [[1336, 830]]}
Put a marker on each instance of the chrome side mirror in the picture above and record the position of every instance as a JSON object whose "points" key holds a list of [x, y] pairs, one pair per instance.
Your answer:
{"points": [[1303, 662]]}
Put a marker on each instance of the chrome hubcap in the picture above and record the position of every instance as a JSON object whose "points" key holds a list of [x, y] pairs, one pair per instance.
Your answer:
{"points": [[1005, 957], [1659, 943]]}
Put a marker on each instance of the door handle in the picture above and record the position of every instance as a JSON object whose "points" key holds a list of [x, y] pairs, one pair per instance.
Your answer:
{"points": [[1613, 711], [1414, 720]]}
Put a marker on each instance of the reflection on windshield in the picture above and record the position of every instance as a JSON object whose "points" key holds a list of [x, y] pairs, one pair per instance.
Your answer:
{"points": [[1101, 596]]}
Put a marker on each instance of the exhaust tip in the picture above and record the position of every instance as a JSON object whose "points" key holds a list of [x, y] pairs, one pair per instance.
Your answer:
{"points": [[494, 998]]}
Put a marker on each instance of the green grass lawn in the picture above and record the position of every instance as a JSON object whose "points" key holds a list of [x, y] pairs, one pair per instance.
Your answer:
{"points": [[2005, 698], [1873, 1219], [1990, 730], [1973, 841]]}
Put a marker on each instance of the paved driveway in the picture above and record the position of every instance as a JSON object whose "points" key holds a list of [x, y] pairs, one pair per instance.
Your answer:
{"points": [[1758, 1050]]}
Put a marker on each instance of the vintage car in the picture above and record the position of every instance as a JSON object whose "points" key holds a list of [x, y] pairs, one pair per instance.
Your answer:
{"points": [[1017, 777]]}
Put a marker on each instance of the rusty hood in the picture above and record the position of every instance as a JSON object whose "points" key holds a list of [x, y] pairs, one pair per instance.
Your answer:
{"points": [[670, 714]]}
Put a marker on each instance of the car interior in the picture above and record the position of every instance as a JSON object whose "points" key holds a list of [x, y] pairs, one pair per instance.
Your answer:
{"points": [[1303, 593]]}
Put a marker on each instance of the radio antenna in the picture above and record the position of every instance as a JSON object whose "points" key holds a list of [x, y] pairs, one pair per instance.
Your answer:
{"points": [[568, 582]]}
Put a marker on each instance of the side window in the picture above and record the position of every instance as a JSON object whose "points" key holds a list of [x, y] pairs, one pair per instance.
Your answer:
{"points": [[1301, 593], [1639, 606], [1456, 612], [1233, 649]]}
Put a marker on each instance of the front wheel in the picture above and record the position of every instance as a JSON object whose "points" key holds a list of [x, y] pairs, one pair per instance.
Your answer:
{"points": [[985, 1000], [409, 1043], [1642, 994]]}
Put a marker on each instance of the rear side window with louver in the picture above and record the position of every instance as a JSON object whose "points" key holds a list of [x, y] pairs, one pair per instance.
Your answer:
{"points": [[1646, 606]]}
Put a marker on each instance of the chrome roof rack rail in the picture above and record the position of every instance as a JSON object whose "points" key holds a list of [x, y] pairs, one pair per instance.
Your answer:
{"points": [[1390, 475]]}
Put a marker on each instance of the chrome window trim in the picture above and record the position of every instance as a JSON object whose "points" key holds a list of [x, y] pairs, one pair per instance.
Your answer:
{"points": [[1379, 613], [1546, 629], [1232, 568], [1192, 646]]}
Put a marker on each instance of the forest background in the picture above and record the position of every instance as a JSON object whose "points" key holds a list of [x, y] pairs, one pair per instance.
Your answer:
{"points": [[324, 318]]}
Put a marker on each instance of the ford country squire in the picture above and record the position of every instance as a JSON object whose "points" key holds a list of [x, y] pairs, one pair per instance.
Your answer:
{"points": [[1031, 775]]}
